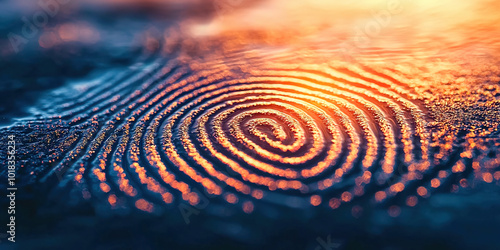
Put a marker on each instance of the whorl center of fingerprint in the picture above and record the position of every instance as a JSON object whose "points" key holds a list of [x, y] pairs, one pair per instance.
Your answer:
{"points": [[313, 133], [293, 131]]}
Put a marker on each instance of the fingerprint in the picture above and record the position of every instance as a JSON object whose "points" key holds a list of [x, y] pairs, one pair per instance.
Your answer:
{"points": [[249, 129]]}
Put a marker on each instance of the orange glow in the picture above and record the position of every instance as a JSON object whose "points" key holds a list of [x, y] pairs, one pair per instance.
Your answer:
{"points": [[464, 183], [315, 200], [435, 183], [68, 32], [475, 165], [231, 198], [458, 167], [411, 201], [398, 187], [497, 175], [144, 205], [167, 197], [346, 196], [442, 174], [422, 191], [112, 199], [257, 194], [488, 177], [193, 198], [380, 195], [105, 187], [286, 97], [248, 207], [334, 203], [78, 177]]}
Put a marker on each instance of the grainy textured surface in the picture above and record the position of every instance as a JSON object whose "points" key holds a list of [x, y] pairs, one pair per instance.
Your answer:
{"points": [[255, 138]]}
